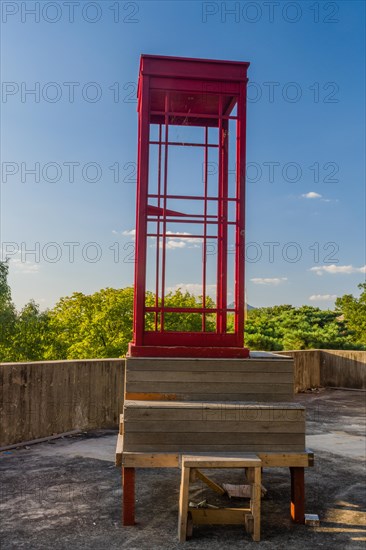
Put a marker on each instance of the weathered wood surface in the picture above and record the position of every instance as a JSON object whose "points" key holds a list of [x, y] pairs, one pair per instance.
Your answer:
{"points": [[181, 426], [284, 364], [249, 460], [263, 397], [223, 516], [288, 458], [210, 439], [215, 447], [250, 379], [189, 426], [119, 450]]}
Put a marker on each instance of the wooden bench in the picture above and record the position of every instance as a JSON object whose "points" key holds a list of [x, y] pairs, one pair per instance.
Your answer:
{"points": [[248, 517]]}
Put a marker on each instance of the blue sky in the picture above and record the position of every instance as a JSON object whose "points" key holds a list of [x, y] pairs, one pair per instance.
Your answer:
{"points": [[305, 141]]}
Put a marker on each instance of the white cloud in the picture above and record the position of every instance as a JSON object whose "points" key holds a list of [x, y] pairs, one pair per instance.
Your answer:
{"points": [[174, 244], [322, 297], [330, 200], [193, 288], [177, 240], [274, 281], [333, 269], [311, 195], [24, 267], [130, 232]]}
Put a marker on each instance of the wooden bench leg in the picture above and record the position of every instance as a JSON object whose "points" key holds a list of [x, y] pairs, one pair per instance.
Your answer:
{"points": [[256, 506], [128, 496], [183, 504], [297, 494]]}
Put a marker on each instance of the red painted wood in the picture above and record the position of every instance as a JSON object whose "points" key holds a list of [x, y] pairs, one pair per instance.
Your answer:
{"points": [[186, 351], [198, 92], [128, 496], [142, 184], [297, 508]]}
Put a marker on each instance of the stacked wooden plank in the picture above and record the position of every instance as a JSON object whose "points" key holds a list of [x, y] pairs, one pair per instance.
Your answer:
{"points": [[211, 405], [263, 379], [157, 426]]}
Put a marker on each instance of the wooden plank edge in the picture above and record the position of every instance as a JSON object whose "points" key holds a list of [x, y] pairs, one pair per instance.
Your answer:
{"points": [[172, 460], [119, 450], [219, 516]]}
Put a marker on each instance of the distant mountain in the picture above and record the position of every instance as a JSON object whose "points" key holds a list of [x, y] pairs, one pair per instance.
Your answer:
{"points": [[249, 307]]}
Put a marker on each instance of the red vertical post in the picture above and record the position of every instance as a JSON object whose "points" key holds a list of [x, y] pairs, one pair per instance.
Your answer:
{"points": [[240, 216], [297, 495], [141, 214], [156, 315], [222, 222], [204, 251], [128, 495], [165, 192]]}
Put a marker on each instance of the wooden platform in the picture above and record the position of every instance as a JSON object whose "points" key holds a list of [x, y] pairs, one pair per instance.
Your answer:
{"points": [[211, 407]]}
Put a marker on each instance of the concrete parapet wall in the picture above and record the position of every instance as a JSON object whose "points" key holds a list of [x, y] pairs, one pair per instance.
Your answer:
{"points": [[334, 368], [45, 398]]}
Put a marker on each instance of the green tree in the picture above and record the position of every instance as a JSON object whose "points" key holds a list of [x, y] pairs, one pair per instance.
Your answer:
{"points": [[32, 337], [91, 326], [7, 315], [286, 327], [186, 322], [353, 311]]}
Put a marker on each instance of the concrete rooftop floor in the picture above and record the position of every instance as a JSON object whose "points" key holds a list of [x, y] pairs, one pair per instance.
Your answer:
{"points": [[67, 493]]}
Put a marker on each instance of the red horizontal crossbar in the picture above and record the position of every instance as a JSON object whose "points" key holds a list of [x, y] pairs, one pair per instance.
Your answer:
{"points": [[184, 220], [187, 309], [181, 236], [182, 144], [191, 115], [193, 197]]}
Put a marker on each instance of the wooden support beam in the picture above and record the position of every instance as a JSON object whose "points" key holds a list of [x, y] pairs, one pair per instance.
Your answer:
{"points": [[297, 495], [183, 505], [255, 504], [214, 486], [249, 523], [140, 459], [219, 516], [119, 450], [128, 495]]}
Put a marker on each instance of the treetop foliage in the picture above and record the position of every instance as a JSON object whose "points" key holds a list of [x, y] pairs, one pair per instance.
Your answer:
{"points": [[100, 325]]}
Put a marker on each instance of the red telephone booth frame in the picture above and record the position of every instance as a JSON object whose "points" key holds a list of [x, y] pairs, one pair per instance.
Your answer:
{"points": [[201, 93]]}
